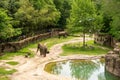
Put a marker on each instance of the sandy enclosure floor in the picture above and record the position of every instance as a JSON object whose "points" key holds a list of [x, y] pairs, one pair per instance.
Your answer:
{"points": [[33, 68]]}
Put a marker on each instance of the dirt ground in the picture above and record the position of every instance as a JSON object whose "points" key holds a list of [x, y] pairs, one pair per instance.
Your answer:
{"points": [[33, 68]]}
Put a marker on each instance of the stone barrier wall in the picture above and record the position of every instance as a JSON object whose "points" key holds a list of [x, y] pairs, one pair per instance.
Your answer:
{"points": [[14, 46], [104, 39], [112, 61]]}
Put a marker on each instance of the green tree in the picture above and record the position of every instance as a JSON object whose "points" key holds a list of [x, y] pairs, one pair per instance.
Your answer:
{"points": [[112, 10], [50, 15], [11, 6], [25, 16], [6, 29], [36, 15], [64, 7], [82, 18]]}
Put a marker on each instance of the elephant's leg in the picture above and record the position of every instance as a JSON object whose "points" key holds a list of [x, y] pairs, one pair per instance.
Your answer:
{"points": [[41, 52], [44, 54], [44, 51]]}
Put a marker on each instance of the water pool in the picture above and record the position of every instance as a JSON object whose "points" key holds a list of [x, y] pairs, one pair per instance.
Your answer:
{"points": [[81, 69]]}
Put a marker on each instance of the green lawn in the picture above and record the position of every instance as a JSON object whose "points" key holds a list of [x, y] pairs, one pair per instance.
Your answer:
{"points": [[91, 49]]}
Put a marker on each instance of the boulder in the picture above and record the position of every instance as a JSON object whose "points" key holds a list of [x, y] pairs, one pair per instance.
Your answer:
{"points": [[112, 61]]}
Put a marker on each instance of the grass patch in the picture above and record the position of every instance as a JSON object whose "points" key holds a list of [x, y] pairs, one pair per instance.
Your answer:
{"points": [[12, 63], [4, 71], [90, 49]]}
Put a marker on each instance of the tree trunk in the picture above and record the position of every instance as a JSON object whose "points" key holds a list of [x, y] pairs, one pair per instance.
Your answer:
{"points": [[83, 39]]}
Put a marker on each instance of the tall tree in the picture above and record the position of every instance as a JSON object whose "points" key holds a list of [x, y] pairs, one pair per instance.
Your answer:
{"points": [[48, 14], [25, 16], [6, 28], [112, 10], [36, 15], [64, 7], [82, 18], [11, 6]]}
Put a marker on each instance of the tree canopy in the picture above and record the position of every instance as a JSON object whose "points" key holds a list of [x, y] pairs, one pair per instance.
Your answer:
{"points": [[112, 10], [21, 17], [6, 28], [83, 17]]}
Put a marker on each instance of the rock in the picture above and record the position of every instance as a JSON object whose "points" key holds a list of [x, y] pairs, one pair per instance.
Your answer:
{"points": [[112, 61], [116, 50], [110, 52]]}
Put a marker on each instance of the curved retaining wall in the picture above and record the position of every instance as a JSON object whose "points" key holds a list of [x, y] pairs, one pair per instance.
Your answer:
{"points": [[14, 46]]}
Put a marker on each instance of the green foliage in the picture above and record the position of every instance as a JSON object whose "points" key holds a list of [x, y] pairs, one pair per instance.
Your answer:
{"points": [[36, 15], [12, 63], [106, 24], [64, 7], [10, 5], [21, 17], [111, 9], [82, 16], [27, 16], [6, 29]]}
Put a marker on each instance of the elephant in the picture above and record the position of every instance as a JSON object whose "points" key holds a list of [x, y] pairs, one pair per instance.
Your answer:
{"points": [[43, 49]]}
